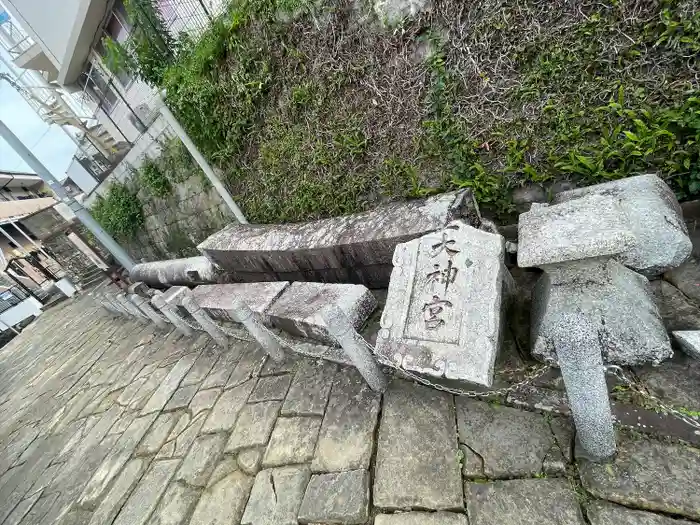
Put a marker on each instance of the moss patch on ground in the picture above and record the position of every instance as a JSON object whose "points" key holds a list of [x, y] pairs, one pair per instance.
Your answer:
{"points": [[315, 109]]}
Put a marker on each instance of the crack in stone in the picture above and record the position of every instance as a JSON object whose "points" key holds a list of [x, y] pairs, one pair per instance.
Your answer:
{"points": [[272, 484]]}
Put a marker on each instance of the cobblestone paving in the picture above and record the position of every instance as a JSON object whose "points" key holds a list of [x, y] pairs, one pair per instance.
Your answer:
{"points": [[105, 420]]}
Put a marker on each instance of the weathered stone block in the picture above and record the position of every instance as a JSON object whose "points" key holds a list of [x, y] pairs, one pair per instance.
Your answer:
{"points": [[652, 214], [340, 497], [604, 513], [224, 413], [614, 300], [276, 496], [293, 441], [223, 502], [443, 313], [421, 518], [354, 248], [308, 394], [253, 426], [216, 298], [270, 388], [689, 341], [648, 475], [509, 443], [417, 463], [297, 310], [592, 227], [201, 460], [522, 502], [346, 439]]}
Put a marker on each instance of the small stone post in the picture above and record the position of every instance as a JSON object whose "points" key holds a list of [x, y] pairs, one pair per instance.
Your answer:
{"points": [[355, 347], [244, 315], [206, 322], [142, 304], [581, 362], [172, 316], [129, 307]]}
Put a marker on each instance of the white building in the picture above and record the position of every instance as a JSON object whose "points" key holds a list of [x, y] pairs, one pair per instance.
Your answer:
{"points": [[62, 40]]}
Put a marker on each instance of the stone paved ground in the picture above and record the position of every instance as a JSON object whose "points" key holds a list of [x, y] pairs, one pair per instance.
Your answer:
{"points": [[106, 421]]}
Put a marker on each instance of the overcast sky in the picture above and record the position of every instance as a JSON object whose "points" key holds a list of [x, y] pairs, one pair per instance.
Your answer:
{"points": [[49, 143]]}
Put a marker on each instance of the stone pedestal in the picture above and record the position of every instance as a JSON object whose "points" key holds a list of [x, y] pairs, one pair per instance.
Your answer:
{"points": [[443, 314], [613, 302]]}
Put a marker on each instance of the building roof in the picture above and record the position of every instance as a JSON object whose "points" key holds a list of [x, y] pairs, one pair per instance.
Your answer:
{"points": [[15, 210]]}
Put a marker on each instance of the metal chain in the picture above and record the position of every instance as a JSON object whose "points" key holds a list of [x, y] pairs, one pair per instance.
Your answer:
{"points": [[534, 374], [617, 372]]}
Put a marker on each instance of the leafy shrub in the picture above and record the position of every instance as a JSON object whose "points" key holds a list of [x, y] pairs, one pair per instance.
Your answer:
{"points": [[152, 177], [120, 212]]}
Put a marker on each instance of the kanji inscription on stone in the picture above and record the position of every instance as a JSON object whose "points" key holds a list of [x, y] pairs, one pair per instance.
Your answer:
{"points": [[443, 311]]}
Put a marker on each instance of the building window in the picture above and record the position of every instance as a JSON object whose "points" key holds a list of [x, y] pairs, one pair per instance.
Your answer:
{"points": [[98, 87], [118, 29]]}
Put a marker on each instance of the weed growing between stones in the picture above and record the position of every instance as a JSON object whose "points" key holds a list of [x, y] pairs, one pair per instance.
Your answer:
{"points": [[316, 109]]}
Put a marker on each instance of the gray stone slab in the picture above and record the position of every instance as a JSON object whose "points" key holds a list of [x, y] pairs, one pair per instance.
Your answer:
{"points": [[341, 497], [310, 388], [253, 426], [297, 310], [42, 511], [616, 304], [200, 461], [288, 365], [249, 460], [346, 439], [689, 341], [674, 381], [252, 360], [604, 513], [270, 388], [21, 510], [293, 441], [648, 475], [276, 496], [117, 495], [676, 310], [115, 460], [687, 279], [223, 416], [146, 495], [330, 247], [202, 366], [522, 502], [223, 503], [509, 443], [170, 384], [652, 214], [157, 435], [594, 226], [216, 299], [417, 459], [184, 439], [421, 518], [182, 397], [444, 305], [175, 506], [222, 370], [204, 400]]}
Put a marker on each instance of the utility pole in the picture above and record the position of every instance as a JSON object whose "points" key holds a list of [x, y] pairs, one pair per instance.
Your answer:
{"points": [[199, 159], [80, 212]]}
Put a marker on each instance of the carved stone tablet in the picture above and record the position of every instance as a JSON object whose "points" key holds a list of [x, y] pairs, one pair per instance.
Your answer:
{"points": [[443, 310]]}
